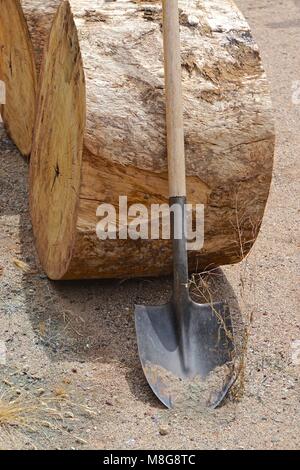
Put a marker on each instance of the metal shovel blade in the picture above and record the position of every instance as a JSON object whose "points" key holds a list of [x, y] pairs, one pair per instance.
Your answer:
{"points": [[179, 358]]}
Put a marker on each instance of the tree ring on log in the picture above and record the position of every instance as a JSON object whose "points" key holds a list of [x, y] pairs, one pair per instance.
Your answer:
{"points": [[55, 170]]}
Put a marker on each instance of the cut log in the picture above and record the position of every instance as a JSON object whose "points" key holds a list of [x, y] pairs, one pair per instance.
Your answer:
{"points": [[18, 72], [20, 64], [100, 133]]}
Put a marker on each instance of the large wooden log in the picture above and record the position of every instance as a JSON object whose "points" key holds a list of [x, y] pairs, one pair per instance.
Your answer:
{"points": [[100, 132]]}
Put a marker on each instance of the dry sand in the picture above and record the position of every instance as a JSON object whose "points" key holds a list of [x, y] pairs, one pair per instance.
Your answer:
{"points": [[72, 360]]}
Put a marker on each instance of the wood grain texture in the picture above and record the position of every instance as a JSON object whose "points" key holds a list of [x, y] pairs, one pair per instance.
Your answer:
{"points": [[118, 112]]}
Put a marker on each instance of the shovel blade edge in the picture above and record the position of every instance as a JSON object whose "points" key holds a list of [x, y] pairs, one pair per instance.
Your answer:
{"points": [[210, 345]]}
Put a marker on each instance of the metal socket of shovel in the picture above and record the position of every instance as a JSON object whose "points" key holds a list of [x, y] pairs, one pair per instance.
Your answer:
{"points": [[181, 344]]}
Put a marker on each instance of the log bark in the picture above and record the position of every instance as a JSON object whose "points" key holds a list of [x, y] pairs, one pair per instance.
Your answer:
{"points": [[18, 72], [100, 133]]}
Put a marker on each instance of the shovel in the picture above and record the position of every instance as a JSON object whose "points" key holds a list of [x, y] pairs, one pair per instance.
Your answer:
{"points": [[182, 343]]}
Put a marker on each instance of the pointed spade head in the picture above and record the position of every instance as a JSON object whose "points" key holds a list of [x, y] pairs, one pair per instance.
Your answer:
{"points": [[187, 360]]}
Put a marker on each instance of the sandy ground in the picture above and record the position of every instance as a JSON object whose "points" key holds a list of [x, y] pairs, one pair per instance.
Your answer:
{"points": [[72, 360]]}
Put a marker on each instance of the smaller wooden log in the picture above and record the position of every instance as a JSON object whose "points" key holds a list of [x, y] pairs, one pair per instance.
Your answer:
{"points": [[18, 72]]}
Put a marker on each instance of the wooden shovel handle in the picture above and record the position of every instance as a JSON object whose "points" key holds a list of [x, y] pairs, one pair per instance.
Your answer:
{"points": [[174, 108]]}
